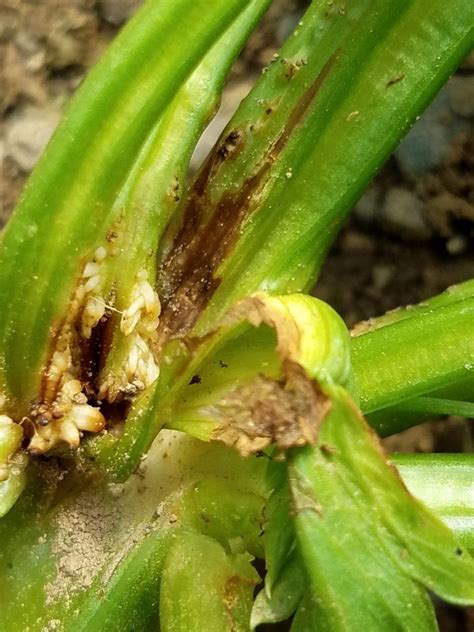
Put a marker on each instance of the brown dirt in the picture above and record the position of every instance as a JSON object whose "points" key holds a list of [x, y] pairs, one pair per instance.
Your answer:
{"points": [[83, 539]]}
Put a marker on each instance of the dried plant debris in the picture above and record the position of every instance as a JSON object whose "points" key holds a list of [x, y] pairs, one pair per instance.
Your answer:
{"points": [[285, 413], [280, 401]]}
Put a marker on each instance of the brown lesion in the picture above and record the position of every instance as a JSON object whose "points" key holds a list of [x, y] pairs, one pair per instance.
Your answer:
{"points": [[210, 227], [66, 404], [70, 398], [394, 80], [230, 598], [286, 413], [292, 66], [76, 394]]}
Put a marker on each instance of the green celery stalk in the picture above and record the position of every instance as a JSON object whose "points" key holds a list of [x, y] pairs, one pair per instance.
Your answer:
{"points": [[203, 588], [66, 207], [99, 352], [357, 527], [347, 506], [266, 205], [415, 356], [121, 536], [453, 294]]}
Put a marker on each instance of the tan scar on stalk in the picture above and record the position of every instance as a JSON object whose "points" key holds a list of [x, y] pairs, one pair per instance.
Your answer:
{"points": [[70, 398]]}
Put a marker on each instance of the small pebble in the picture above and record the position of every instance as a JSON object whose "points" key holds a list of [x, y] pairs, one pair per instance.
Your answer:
{"points": [[116, 12], [429, 141], [456, 245], [368, 206], [460, 91], [402, 213], [28, 133]]}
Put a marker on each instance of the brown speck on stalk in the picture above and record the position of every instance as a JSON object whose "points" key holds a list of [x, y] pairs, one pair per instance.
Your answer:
{"points": [[327, 449], [112, 234], [363, 327], [292, 67], [396, 79], [174, 190], [230, 600], [210, 228], [329, 9]]}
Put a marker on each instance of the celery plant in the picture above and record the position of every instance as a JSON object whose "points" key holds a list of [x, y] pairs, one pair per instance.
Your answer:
{"points": [[172, 405]]}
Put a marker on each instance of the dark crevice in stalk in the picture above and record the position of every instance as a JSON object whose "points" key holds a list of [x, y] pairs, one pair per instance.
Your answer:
{"points": [[70, 381], [307, 98], [95, 352], [187, 277]]}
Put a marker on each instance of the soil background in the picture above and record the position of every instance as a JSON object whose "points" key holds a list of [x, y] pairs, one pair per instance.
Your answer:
{"points": [[410, 236]]}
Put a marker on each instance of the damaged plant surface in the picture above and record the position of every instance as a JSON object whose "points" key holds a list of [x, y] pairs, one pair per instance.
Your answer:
{"points": [[172, 406]]}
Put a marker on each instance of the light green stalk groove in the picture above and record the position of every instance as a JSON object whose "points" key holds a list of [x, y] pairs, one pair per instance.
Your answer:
{"points": [[445, 483], [435, 406]]}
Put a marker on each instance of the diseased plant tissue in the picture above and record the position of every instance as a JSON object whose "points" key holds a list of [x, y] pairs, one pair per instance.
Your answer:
{"points": [[176, 410]]}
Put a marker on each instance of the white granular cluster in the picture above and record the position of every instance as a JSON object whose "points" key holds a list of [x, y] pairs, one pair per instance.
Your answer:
{"points": [[143, 314], [69, 414], [88, 293], [65, 412], [139, 324]]}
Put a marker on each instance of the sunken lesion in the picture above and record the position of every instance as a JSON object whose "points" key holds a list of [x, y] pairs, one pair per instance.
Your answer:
{"points": [[75, 390], [63, 410], [230, 600], [186, 277], [210, 227], [74, 393], [286, 413]]}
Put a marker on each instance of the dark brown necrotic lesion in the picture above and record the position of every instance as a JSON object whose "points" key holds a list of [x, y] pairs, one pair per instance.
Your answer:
{"points": [[210, 228], [286, 413], [67, 403], [187, 279]]}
